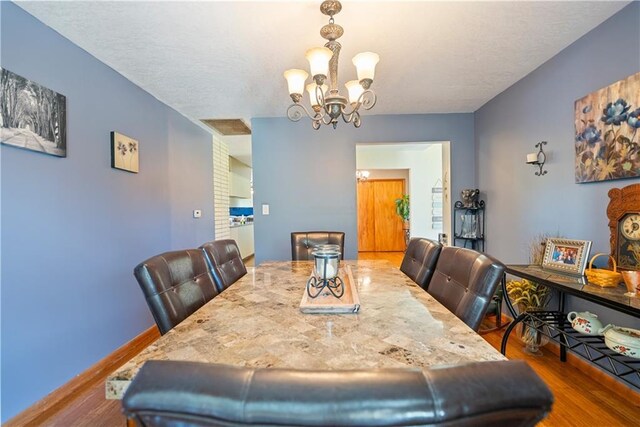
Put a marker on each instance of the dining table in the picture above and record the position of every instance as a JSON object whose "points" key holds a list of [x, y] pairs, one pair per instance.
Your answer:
{"points": [[257, 322]]}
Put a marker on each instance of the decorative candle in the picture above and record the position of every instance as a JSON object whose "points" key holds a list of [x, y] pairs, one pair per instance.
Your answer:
{"points": [[532, 158]]}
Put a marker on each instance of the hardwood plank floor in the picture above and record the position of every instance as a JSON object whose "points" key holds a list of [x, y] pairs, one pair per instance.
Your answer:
{"points": [[579, 399]]}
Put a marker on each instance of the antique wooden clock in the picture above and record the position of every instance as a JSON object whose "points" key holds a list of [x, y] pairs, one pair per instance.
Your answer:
{"points": [[624, 223]]}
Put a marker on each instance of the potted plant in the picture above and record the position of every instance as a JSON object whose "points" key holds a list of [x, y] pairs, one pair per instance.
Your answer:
{"points": [[403, 210], [531, 296]]}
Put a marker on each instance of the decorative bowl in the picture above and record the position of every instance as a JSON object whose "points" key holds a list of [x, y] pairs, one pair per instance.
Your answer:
{"points": [[625, 341]]}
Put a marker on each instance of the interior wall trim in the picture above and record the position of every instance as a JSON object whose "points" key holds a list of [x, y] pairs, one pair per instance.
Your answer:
{"points": [[39, 412]]}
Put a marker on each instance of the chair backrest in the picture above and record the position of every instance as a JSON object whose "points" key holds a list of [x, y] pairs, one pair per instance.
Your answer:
{"points": [[420, 260], [175, 284], [225, 262], [464, 281], [199, 394], [303, 242]]}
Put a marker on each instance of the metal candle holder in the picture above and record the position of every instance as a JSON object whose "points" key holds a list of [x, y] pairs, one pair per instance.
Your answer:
{"points": [[325, 273]]}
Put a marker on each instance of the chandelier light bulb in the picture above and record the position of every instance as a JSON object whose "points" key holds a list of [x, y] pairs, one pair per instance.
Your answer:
{"points": [[319, 58], [365, 63], [355, 90], [311, 90], [295, 81]]}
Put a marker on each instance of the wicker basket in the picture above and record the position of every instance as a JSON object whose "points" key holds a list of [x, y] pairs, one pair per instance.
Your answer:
{"points": [[601, 276]]}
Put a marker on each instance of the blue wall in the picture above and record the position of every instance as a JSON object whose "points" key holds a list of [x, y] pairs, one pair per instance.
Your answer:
{"points": [[540, 107], [308, 177], [73, 228]]}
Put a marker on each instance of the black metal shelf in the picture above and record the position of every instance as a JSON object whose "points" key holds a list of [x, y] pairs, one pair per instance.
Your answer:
{"points": [[553, 325], [468, 238], [476, 211]]}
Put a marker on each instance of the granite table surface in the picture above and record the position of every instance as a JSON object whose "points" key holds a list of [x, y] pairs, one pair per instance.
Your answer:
{"points": [[257, 323]]}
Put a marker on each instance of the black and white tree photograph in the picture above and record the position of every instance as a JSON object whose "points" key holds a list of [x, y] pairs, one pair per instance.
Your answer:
{"points": [[31, 116]]}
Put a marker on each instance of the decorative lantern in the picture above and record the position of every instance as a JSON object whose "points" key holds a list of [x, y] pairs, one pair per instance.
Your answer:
{"points": [[325, 272]]}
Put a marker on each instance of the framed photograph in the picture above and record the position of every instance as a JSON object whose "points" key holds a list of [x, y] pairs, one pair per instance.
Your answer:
{"points": [[124, 152], [569, 256], [32, 117]]}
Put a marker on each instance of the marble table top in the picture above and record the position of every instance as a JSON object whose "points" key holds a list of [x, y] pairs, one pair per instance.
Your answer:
{"points": [[257, 323]]}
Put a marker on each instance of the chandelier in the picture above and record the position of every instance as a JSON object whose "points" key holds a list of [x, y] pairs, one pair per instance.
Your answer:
{"points": [[362, 175], [326, 102]]}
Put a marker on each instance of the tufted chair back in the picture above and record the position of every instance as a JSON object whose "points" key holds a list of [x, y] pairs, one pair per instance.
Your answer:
{"points": [[175, 284], [464, 281], [420, 260], [303, 242], [485, 394], [225, 262]]}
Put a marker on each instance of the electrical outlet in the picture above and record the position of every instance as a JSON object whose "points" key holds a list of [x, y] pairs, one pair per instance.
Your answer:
{"points": [[197, 213], [265, 209]]}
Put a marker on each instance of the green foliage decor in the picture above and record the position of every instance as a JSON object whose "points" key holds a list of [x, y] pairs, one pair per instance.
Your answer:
{"points": [[402, 207]]}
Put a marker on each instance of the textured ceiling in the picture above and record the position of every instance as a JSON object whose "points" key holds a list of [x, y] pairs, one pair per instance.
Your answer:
{"points": [[225, 59]]}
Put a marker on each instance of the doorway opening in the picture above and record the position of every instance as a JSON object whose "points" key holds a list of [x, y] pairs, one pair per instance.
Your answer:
{"points": [[417, 169]]}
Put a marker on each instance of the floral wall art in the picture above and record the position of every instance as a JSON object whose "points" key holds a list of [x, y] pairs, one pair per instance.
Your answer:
{"points": [[124, 152], [608, 132]]}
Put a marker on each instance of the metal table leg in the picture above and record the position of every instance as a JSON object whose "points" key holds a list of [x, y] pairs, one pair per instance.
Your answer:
{"points": [[564, 343]]}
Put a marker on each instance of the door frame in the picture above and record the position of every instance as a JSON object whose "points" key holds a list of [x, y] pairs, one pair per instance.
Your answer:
{"points": [[446, 164]]}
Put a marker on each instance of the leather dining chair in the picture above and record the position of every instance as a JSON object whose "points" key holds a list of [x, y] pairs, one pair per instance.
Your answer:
{"points": [[303, 242], [175, 284], [464, 281], [225, 262], [420, 260], [503, 393]]}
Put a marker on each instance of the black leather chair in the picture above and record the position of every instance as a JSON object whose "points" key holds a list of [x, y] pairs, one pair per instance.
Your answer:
{"points": [[420, 260], [225, 262], [175, 284], [170, 393], [464, 281], [303, 242]]}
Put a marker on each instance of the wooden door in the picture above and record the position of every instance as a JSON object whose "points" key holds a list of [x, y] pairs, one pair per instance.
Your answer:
{"points": [[379, 227], [388, 225], [366, 216]]}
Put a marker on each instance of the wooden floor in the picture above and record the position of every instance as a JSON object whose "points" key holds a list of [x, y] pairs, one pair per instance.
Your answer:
{"points": [[579, 399]]}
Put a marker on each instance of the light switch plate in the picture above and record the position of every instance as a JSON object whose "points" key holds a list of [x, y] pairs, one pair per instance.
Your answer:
{"points": [[265, 209], [197, 213]]}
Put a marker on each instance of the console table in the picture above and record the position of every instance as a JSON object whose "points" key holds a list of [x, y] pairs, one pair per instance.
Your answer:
{"points": [[554, 324]]}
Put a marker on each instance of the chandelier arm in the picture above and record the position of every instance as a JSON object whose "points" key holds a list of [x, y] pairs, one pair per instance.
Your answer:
{"points": [[348, 117], [294, 114], [326, 119], [368, 99], [356, 120]]}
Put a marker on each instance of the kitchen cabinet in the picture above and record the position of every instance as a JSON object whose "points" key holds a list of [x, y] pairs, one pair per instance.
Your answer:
{"points": [[239, 179], [243, 235]]}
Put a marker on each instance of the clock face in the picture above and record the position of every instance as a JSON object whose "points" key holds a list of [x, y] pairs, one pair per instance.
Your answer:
{"points": [[630, 227]]}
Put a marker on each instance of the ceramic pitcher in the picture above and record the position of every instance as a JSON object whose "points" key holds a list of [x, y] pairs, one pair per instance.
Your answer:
{"points": [[585, 322]]}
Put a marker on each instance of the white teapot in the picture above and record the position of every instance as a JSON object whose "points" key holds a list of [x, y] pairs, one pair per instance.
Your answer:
{"points": [[585, 322]]}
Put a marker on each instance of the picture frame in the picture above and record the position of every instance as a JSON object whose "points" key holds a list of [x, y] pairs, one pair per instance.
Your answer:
{"points": [[125, 153], [566, 255], [32, 116]]}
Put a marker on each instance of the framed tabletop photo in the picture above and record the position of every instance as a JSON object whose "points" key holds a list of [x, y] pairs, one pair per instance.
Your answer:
{"points": [[569, 256]]}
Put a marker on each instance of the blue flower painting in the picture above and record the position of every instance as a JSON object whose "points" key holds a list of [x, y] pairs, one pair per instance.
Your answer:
{"points": [[607, 133]]}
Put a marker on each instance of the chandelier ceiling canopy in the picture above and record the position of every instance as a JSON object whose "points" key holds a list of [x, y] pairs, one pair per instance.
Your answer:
{"points": [[327, 103]]}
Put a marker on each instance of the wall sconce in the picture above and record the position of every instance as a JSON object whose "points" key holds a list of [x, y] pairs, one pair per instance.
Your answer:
{"points": [[538, 159], [362, 175]]}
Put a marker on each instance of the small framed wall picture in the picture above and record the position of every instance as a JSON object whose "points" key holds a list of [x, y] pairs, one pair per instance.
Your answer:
{"points": [[569, 256], [125, 153]]}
